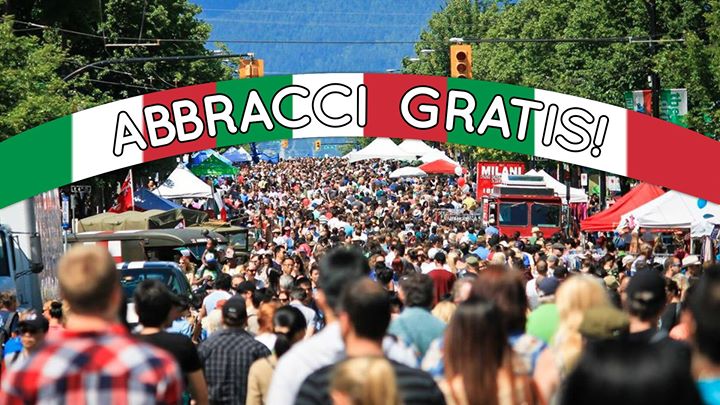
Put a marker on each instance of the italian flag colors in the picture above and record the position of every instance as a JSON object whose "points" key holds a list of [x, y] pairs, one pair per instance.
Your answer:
{"points": [[471, 112]]}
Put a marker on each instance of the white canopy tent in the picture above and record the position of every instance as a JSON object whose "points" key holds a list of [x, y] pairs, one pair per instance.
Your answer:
{"points": [[407, 171], [577, 195], [675, 210], [182, 183], [437, 155], [416, 147], [380, 148]]}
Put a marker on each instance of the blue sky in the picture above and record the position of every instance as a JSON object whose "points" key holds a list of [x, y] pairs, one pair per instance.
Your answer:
{"points": [[321, 20]]}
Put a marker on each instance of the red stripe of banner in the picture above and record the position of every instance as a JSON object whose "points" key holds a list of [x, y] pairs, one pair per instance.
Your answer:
{"points": [[383, 106], [671, 156], [165, 98]]}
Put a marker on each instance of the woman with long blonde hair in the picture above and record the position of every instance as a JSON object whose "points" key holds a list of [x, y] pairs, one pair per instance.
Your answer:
{"points": [[364, 381], [574, 296]]}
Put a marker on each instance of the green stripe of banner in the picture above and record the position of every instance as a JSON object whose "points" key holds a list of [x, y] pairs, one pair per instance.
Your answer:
{"points": [[36, 161], [238, 91], [492, 138]]}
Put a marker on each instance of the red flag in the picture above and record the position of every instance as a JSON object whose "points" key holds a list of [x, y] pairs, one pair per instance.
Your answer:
{"points": [[125, 197]]}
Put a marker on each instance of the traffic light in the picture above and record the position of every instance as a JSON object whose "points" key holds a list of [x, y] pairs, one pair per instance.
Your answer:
{"points": [[317, 145], [250, 68], [284, 143], [461, 61]]}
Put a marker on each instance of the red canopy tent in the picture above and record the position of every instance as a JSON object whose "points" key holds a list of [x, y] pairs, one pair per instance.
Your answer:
{"points": [[609, 219], [439, 166]]}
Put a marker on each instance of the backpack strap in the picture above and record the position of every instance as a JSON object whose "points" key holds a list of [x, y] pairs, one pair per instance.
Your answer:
{"points": [[8, 323]]}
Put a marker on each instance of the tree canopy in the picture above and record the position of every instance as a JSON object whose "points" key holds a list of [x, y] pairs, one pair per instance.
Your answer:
{"points": [[594, 70]]}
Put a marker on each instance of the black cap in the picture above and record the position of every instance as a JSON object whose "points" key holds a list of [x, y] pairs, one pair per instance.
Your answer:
{"points": [[440, 256], [646, 286], [34, 321], [234, 311]]}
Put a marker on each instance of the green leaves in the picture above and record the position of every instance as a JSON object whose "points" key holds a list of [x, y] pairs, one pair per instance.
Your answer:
{"points": [[33, 92], [598, 71]]}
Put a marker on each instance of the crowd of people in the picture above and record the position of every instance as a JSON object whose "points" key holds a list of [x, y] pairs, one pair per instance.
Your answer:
{"points": [[358, 291]]}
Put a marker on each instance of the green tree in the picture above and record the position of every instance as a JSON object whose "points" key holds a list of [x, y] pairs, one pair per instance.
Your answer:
{"points": [[129, 22], [594, 70], [32, 91]]}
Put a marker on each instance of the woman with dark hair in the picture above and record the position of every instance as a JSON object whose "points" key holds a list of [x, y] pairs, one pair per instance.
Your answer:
{"points": [[53, 312], [290, 326], [495, 376], [622, 372]]}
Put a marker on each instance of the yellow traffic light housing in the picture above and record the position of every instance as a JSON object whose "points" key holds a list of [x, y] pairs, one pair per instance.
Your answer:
{"points": [[317, 145], [461, 61], [284, 143], [250, 68]]}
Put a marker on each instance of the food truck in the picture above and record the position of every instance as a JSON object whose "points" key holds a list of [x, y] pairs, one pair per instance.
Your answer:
{"points": [[521, 203]]}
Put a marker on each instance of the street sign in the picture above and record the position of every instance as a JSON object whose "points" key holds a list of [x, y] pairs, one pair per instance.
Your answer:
{"points": [[80, 189], [65, 212]]}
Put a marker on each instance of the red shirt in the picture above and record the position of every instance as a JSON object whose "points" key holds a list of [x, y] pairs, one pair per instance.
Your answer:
{"points": [[443, 281], [80, 367]]}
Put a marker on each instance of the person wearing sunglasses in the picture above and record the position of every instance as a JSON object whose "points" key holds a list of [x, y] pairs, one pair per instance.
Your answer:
{"points": [[32, 330]]}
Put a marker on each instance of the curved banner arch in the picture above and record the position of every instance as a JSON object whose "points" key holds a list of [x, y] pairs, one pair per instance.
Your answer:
{"points": [[491, 115]]}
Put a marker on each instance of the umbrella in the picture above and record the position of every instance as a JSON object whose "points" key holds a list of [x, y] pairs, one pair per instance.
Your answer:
{"points": [[433, 156], [440, 166], [407, 171], [213, 166]]}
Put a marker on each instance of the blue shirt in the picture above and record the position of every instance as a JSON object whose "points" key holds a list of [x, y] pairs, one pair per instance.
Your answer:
{"points": [[417, 327], [481, 252], [710, 391], [491, 230], [13, 345]]}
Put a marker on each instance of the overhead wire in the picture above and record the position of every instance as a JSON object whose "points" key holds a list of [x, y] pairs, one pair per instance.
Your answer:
{"points": [[625, 39], [124, 84]]}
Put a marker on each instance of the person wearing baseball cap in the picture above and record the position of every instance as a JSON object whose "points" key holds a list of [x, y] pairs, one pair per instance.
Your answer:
{"points": [[645, 301], [544, 320], [228, 354], [32, 330]]}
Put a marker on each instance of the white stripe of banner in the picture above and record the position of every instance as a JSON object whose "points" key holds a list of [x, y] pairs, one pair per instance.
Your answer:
{"points": [[94, 136], [335, 105], [577, 149]]}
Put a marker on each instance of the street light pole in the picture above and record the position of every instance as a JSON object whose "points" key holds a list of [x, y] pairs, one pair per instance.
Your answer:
{"points": [[123, 61], [654, 77]]}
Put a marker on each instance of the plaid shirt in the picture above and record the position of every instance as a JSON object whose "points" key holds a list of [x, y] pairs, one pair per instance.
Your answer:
{"points": [[226, 357], [106, 368]]}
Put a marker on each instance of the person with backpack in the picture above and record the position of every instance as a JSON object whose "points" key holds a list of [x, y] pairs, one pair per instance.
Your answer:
{"points": [[8, 320]]}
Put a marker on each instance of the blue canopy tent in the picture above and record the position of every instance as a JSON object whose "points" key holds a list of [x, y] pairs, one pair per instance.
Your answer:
{"points": [[268, 158], [236, 155], [199, 157], [145, 200]]}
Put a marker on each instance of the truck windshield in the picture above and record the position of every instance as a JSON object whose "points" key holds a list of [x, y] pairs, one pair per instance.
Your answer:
{"points": [[130, 279], [545, 214], [513, 214], [4, 259]]}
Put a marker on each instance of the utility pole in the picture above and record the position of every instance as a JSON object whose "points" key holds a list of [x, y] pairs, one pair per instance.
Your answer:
{"points": [[653, 77]]}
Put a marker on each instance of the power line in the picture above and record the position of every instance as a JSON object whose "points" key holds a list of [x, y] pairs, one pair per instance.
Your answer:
{"points": [[626, 39], [311, 24], [229, 10], [124, 84]]}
